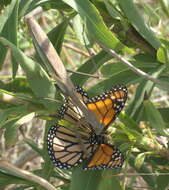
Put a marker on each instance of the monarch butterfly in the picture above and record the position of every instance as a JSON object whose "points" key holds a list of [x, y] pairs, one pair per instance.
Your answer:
{"points": [[66, 151], [68, 147]]}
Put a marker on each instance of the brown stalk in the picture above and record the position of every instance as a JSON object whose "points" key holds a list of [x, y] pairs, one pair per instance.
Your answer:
{"points": [[26, 175], [58, 68]]}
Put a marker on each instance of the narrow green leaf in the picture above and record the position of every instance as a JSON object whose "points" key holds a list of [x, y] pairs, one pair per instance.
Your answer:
{"points": [[11, 177], [95, 25], [7, 178], [161, 55], [56, 35], [79, 29], [38, 79], [112, 10], [154, 117], [33, 145], [31, 104], [24, 6], [131, 134], [136, 102], [165, 6], [14, 111], [90, 67], [12, 125], [9, 22], [129, 122], [110, 68], [118, 78], [145, 87], [150, 180], [27, 6], [17, 85], [137, 21], [140, 159], [11, 133]]}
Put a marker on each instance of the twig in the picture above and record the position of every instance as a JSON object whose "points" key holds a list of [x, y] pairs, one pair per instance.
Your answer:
{"points": [[76, 50], [68, 58], [134, 69], [137, 174], [84, 74], [26, 175], [141, 187]]}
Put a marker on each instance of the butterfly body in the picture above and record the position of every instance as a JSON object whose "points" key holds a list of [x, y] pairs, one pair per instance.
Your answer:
{"points": [[68, 147]]}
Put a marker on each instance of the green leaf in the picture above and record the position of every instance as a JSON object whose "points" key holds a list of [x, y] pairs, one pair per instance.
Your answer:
{"points": [[118, 78], [161, 56], [38, 79], [15, 111], [90, 68], [12, 177], [112, 68], [18, 85], [11, 133], [129, 122], [85, 180], [164, 113], [27, 6], [33, 145], [150, 180], [162, 180], [117, 72], [8, 29], [165, 6], [24, 6], [4, 3], [137, 21], [12, 125], [95, 25], [145, 87], [56, 35], [139, 160], [80, 31], [108, 183], [112, 10], [7, 178], [154, 117]]}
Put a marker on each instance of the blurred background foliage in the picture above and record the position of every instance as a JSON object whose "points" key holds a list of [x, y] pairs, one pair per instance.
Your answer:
{"points": [[137, 30]]}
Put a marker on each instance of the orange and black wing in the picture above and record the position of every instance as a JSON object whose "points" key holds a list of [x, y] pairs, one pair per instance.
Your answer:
{"points": [[108, 105], [65, 149], [105, 156]]}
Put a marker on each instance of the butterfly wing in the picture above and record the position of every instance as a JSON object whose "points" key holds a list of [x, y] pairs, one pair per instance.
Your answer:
{"points": [[65, 149], [72, 113], [105, 156], [108, 105]]}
